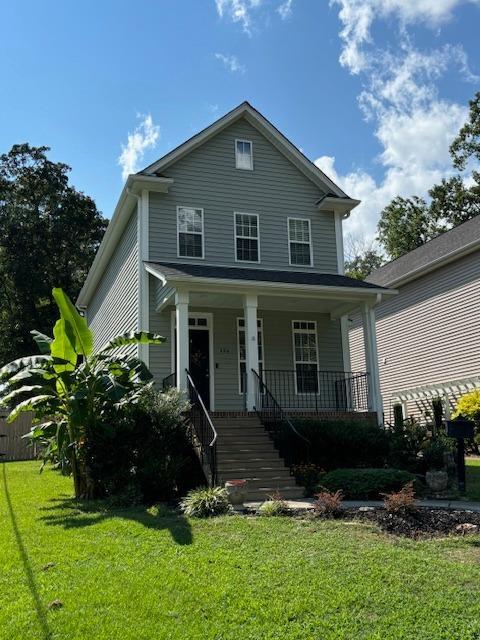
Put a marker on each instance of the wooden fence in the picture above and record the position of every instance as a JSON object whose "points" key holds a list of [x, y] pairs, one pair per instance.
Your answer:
{"points": [[12, 445]]}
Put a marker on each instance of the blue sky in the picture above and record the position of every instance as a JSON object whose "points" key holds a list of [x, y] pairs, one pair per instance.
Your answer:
{"points": [[373, 90]]}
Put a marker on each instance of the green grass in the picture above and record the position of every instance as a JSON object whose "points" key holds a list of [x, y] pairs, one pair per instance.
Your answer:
{"points": [[137, 575], [473, 479]]}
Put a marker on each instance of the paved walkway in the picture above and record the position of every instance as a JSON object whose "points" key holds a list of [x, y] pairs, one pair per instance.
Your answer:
{"points": [[307, 504]]}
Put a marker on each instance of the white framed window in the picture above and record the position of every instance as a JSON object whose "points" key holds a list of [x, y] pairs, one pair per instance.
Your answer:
{"points": [[244, 154], [242, 354], [247, 237], [299, 242], [190, 241], [305, 355]]}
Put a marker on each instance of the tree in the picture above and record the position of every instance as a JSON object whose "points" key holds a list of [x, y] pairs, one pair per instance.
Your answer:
{"points": [[49, 233], [70, 390], [467, 142], [361, 256], [405, 224], [453, 202]]}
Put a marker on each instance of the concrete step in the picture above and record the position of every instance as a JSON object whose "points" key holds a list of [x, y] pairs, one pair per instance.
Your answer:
{"points": [[237, 441], [246, 452], [259, 469], [287, 493], [257, 474]]}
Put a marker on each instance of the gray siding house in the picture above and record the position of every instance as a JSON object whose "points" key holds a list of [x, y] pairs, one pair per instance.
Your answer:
{"points": [[231, 247], [429, 334]]}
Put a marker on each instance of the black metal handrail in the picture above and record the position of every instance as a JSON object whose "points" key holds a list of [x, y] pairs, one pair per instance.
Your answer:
{"points": [[169, 381], [205, 433], [309, 389], [270, 412]]}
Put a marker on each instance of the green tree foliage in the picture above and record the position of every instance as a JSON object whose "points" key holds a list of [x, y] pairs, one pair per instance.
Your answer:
{"points": [[405, 224], [467, 142], [70, 390], [49, 233], [362, 265]]}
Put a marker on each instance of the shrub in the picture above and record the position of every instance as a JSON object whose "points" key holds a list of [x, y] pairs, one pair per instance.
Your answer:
{"points": [[328, 503], [206, 503], [274, 506], [308, 476], [366, 483], [406, 441], [435, 453], [402, 501], [468, 406], [142, 452], [335, 443]]}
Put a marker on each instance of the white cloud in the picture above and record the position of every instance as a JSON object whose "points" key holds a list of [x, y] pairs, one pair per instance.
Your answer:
{"points": [[238, 11], [413, 125], [285, 9], [145, 136], [231, 63]]}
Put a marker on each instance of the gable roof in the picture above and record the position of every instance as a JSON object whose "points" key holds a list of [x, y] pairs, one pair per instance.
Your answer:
{"points": [[435, 253], [267, 129]]}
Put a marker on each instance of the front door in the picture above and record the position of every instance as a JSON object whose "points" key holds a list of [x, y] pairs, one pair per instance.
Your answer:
{"points": [[200, 362]]}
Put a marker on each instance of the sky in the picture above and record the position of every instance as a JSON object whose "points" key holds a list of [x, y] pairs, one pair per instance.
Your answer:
{"points": [[372, 91]]}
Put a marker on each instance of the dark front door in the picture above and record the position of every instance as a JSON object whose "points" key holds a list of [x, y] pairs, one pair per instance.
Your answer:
{"points": [[200, 363]]}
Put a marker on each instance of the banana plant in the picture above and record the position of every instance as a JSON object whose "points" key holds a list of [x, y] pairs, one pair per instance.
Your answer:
{"points": [[70, 389]]}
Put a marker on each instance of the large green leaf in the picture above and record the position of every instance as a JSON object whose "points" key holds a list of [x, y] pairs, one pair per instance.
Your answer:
{"points": [[62, 348], [29, 405], [14, 367], [75, 325], [133, 337], [22, 390], [43, 341]]}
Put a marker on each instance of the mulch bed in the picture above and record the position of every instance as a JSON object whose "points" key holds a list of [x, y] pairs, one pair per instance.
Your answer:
{"points": [[424, 522]]}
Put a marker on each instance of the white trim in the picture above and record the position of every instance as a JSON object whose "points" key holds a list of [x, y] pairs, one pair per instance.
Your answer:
{"points": [[294, 264], [339, 243], [257, 120], [245, 213], [260, 331], [211, 364], [295, 361], [123, 210], [143, 277], [344, 329], [251, 154], [181, 206]]}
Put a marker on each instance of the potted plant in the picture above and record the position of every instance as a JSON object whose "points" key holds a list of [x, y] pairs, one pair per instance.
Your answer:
{"points": [[237, 491], [434, 455]]}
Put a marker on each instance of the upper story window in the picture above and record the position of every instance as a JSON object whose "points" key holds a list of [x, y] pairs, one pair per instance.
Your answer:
{"points": [[246, 237], [190, 232], [300, 242], [244, 154]]}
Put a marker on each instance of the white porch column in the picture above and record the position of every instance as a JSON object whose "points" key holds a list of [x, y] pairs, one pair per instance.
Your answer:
{"points": [[183, 356], [250, 304], [371, 360]]}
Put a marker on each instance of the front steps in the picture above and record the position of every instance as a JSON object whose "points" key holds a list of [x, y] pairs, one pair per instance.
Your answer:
{"points": [[246, 452]]}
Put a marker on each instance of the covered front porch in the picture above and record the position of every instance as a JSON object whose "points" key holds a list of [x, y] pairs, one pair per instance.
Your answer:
{"points": [[250, 337]]}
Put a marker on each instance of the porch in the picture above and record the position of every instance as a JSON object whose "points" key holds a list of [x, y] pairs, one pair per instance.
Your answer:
{"points": [[247, 334]]}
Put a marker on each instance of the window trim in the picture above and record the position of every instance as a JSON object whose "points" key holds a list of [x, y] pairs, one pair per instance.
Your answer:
{"points": [[202, 257], [245, 213], [295, 362], [251, 154], [259, 330], [294, 264]]}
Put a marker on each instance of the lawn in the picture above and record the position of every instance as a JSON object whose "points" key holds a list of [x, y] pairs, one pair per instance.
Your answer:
{"points": [[473, 478], [138, 574]]}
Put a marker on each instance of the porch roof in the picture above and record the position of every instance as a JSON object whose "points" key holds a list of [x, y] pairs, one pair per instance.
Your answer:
{"points": [[175, 272]]}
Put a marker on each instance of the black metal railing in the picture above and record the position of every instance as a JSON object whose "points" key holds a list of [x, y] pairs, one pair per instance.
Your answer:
{"points": [[170, 381], [275, 419], [205, 435], [308, 389]]}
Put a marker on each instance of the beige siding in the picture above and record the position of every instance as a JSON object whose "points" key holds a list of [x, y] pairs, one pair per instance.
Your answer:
{"points": [[429, 333], [113, 309], [275, 189]]}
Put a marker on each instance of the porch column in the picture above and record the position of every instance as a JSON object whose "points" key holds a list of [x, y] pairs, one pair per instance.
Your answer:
{"points": [[371, 361], [183, 356], [250, 304]]}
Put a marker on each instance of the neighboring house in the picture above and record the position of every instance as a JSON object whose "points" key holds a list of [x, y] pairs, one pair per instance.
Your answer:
{"points": [[231, 247], [429, 335]]}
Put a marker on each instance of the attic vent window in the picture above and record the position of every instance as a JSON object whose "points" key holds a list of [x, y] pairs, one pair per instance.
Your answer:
{"points": [[244, 154]]}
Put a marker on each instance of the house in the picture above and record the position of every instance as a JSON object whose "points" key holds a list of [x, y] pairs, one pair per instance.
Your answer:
{"points": [[230, 246], [429, 335]]}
